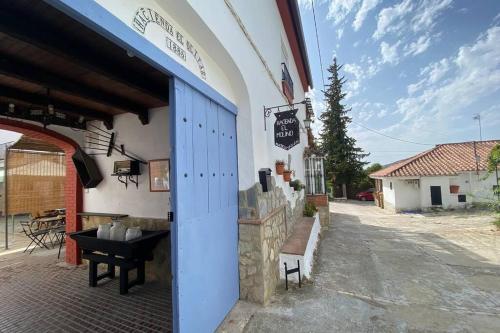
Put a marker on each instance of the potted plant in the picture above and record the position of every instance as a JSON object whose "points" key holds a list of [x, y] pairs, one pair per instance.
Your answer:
{"points": [[296, 184], [280, 167], [287, 175]]}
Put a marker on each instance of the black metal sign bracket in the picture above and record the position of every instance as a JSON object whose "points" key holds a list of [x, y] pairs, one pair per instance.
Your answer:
{"points": [[269, 110]]}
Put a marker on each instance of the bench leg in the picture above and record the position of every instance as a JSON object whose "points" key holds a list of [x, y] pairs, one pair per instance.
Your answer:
{"points": [[141, 273], [111, 268], [123, 281], [93, 273]]}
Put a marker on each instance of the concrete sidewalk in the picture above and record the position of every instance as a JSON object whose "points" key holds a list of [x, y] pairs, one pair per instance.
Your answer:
{"points": [[380, 272]]}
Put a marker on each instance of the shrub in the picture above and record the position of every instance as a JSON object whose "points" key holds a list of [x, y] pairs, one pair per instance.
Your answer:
{"points": [[296, 184], [309, 209]]}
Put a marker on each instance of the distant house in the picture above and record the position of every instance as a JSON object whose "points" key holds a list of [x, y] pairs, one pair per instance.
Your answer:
{"points": [[447, 176]]}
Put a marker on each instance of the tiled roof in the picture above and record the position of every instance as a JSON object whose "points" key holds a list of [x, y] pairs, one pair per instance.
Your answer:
{"points": [[442, 160]]}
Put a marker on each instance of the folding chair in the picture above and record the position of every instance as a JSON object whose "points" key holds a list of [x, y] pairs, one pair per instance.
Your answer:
{"points": [[36, 237]]}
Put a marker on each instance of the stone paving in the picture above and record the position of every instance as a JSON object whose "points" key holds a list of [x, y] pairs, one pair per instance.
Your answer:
{"points": [[38, 293], [382, 272]]}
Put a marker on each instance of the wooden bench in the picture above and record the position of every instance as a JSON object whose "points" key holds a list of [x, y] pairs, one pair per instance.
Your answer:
{"points": [[300, 246]]}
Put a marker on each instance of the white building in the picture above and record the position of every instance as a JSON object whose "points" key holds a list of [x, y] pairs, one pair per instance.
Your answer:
{"points": [[194, 82], [447, 176]]}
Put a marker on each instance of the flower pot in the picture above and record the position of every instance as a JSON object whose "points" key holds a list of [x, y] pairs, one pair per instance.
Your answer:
{"points": [[280, 168], [287, 175], [454, 188]]}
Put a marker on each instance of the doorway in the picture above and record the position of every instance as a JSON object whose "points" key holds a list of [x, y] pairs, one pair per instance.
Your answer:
{"points": [[436, 198]]}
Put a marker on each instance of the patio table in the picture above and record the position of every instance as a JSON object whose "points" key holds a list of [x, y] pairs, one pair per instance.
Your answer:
{"points": [[127, 255]]}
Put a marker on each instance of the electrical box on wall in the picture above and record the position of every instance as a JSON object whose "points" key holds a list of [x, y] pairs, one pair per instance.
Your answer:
{"points": [[265, 179]]}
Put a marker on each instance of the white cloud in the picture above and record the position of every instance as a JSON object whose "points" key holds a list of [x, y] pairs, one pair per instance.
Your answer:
{"points": [[339, 9], [305, 4], [418, 46], [427, 14], [340, 32], [477, 74], [389, 53], [359, 73], [389, 18], [363, 11]]}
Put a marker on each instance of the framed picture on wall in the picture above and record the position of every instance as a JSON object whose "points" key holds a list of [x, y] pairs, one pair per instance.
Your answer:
{"points": [[159, 175]]}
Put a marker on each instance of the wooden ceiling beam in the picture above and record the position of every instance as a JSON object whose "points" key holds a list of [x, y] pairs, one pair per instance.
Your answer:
{"points": [[12, 95], [27, 72], [38, 33], [23, 112]]}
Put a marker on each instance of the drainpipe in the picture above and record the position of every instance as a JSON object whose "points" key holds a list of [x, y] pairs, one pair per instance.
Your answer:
{"points": [[5, 198]]}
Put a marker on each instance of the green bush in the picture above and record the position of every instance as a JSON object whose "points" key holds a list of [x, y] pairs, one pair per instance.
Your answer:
{"points": [[309, 209], [296, 184]]}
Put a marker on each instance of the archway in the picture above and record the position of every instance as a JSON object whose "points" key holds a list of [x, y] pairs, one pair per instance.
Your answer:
{"points": [[73, 188]]}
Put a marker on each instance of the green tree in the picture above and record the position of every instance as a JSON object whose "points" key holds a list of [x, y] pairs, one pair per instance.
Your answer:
{"points": [[344, 161], [493, 166], [364, 181]]}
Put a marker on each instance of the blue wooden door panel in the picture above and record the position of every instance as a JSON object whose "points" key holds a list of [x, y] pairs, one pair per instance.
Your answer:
{"points": [[213, 161], [204, 233]]}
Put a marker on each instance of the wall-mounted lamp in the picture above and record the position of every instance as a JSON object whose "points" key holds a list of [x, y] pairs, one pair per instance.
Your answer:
{"points": [[12, 107], [81, 119], [50, 109], [307, 123]]}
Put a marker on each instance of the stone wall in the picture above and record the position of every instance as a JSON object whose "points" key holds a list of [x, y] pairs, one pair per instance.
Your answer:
{"points": [[159, 268], [266, 221]]}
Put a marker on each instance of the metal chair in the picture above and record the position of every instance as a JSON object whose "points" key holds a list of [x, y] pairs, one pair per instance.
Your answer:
{"points": [[37, 237]]}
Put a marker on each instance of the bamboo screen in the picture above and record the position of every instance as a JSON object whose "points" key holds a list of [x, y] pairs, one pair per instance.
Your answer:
{"points": [[35, 182]]}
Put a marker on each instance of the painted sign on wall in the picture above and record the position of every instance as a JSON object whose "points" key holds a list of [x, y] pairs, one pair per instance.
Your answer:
{"points": [[286, 129], [174, 40]]}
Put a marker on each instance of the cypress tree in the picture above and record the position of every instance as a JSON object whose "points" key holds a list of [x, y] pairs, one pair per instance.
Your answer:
{"points": [[344, 161]]}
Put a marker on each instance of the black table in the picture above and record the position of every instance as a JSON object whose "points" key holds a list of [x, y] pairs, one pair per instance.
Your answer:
{"points": [[127, 255]]}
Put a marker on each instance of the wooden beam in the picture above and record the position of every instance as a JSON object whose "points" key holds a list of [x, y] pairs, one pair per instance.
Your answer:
{"points": [[22, 112], [27, 72], [38, 33], [13, 95]]}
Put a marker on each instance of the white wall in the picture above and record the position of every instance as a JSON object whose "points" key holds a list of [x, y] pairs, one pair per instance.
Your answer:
{"points": [[146, 142], [407, 195], [235, 69], [389, 193]]}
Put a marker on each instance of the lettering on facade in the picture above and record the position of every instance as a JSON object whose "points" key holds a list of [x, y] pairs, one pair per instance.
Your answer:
{"points": [[286, 129], [175, 41]]}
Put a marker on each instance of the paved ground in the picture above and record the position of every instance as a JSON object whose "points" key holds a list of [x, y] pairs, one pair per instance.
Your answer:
{"points": [[39, 294], [378, 272]]}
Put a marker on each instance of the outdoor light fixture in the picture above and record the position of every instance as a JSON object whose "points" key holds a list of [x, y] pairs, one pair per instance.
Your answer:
{"points": [[307, 123], [11, 108], [81, 119]]}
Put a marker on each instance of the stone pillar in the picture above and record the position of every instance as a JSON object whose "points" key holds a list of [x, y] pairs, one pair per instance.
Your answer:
{"points": [[322, 204], [266, 221]]}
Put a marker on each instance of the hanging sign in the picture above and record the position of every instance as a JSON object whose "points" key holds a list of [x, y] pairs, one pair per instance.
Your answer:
{"points": [[286, 129]]}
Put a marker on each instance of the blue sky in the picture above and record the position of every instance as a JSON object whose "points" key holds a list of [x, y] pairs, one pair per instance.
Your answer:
{"points": [[417, 70]]}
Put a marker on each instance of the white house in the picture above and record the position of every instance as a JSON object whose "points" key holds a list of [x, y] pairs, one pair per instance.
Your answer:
{"points": [[447, 176]]}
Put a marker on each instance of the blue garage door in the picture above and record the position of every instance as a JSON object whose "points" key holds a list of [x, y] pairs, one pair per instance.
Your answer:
{"points": [[205, 197]]}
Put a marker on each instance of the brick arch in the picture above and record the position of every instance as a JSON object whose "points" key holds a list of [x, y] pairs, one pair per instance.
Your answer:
{"points": [[73, 188]]}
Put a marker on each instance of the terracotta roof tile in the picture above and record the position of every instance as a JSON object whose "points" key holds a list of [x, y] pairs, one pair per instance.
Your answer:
{"points": [[444, 159]]}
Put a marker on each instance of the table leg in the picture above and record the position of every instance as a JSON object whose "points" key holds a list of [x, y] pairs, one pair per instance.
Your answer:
{"points": [[93, 273], [141, 273], [123, 281], [111, 268]]}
